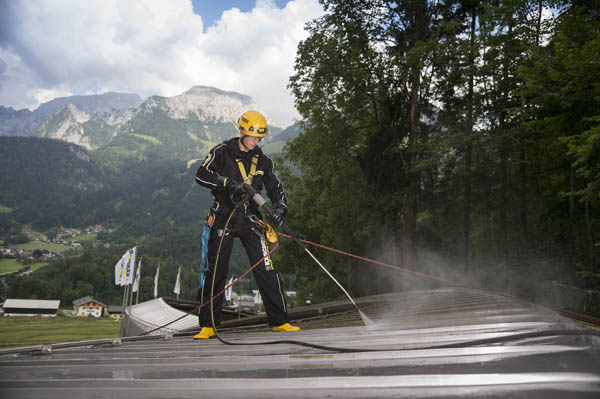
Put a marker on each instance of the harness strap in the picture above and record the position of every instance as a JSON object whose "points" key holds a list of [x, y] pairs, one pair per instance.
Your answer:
{"points": [[248, 177]]}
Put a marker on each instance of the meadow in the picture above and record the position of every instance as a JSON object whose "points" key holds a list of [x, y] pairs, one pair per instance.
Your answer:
{"points": [[11, 266], [29, 331], [8, 265], [41, 245]]}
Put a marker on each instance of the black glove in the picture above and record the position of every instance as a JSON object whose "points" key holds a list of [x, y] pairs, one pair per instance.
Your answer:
{"points": [[279, 213], [235, 188], [232, 186]]}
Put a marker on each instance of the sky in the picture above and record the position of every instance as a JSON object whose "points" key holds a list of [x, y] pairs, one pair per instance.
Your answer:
{"points": [[60, 48]]}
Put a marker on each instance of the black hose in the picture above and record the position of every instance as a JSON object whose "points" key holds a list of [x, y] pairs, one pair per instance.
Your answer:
{"points": [[212, 314], [464, 344]]}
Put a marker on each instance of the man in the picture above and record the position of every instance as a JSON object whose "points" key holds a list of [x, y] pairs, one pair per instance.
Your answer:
{"points": [[224, 170]]}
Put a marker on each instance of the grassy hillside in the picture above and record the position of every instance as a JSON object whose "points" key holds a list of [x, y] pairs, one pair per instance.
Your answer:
{"points": [[11, 266], [54, 183], [33, 245], [30, 331], [50, 183]]}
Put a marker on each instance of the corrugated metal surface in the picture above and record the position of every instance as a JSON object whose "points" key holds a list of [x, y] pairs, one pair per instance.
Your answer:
{"points": [[31, 304], [401, 358]]}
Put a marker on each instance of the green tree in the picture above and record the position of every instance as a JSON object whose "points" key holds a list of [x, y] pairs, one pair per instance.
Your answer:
{"points": [[146, 289], [17, 238], [83, 289], [52, 233], [564, 93], [420, 129], [362, 85], [28, 287]]}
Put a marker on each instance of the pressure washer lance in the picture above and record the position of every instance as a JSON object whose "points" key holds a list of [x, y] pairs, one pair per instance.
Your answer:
{"points": [[262, 203]]}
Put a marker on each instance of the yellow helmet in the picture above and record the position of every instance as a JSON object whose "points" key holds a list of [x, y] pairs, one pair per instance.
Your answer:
{"points": [[253, 124]]}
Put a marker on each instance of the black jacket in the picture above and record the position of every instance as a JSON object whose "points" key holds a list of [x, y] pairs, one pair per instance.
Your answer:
{"points": [[221, 161]]}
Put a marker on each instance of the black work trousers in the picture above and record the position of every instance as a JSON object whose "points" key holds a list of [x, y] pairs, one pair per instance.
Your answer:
{"points": [[266, 275]]}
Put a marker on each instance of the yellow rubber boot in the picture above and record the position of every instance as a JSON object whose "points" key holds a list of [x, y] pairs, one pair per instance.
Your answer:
{"points": [[205, 333], [286, 327]]}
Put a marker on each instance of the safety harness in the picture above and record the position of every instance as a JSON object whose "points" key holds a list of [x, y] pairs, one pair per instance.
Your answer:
{"points": [[260, 228], [247, 178], [210, 220]]}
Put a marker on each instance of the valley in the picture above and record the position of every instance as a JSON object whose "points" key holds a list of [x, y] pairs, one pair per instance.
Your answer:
{"points": [[98, 174], [41, 248]]}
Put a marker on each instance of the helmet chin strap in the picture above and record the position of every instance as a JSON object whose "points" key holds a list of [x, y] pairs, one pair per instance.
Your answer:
{"points": [[242, 141]]}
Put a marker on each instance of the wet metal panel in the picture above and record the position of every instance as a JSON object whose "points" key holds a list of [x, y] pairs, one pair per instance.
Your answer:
{"points": [[401, 358]]}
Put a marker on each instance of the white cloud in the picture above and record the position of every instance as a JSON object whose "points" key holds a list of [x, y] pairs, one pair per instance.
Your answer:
{"points": [[149, 47]]}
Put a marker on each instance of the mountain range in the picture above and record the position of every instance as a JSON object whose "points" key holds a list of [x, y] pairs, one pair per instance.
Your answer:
{"points": [[21, 122], [117, 158], [183, 125]]}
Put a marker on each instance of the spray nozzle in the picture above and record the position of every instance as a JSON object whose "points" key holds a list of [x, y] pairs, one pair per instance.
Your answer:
{"points": [[256, 197], [262, 203]]}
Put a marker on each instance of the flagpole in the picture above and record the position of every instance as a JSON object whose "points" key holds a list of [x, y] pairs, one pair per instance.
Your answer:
{"points": [[130, 275], [133, 283], [139, 283], [123, 276], [131, 298], [122, 312], [119, 282], [126, 329]]}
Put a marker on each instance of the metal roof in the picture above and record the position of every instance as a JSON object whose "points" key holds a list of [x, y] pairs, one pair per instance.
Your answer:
{"points": [[86, 299], [441, 343], [31, 304]]}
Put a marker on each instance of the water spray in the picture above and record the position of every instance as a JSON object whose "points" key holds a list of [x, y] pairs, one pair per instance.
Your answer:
{"points": [[262, 203]]}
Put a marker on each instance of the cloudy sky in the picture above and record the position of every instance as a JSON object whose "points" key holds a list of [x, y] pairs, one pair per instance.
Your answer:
{"points": [[58, 48]]}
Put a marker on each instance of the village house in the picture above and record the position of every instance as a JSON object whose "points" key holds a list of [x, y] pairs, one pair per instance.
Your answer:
{"points": [[88, 306], [14, 251], [115, 312]]}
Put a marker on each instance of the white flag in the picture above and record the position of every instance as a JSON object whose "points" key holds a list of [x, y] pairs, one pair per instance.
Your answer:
{"points": [[177, 289], [228, 292], [156, 282], [119, 272], [128, 265], [136, 282], [125, 267], [124, 261]]}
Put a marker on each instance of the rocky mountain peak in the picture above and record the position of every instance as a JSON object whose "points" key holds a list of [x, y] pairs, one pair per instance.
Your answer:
{"points": [[203, 103], [71, 112], [75, 126], [95, 104]]}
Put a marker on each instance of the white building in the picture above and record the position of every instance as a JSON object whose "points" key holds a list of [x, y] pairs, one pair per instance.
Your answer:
{"points": [[88, 306]]}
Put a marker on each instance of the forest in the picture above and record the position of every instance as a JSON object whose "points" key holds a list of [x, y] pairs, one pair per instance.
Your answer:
{"points": [[455, 138]]}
